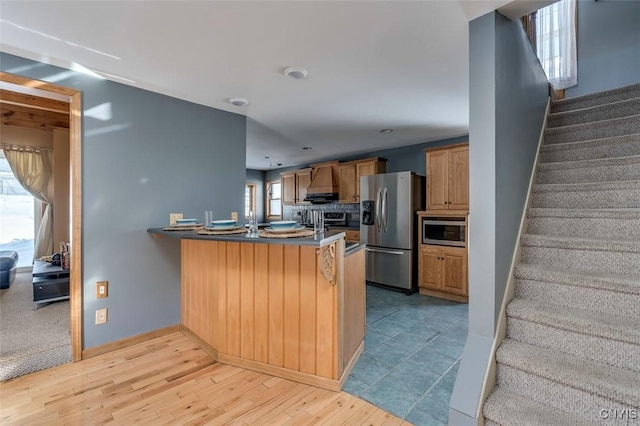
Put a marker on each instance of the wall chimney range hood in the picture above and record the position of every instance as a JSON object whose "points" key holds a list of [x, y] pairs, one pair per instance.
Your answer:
{"points": [[324, 184]]}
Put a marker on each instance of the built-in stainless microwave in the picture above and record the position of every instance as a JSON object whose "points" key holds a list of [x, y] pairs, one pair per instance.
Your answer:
{"points": [[444, 231]]}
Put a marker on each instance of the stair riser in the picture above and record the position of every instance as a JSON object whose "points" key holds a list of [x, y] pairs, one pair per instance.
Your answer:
{"points": [[586, 132], [583, 260], [605, 112], [624, 198], [599, 150], [590, 174], [605, 228], [558, 395], [594, 299], [601, 99], [608, 351]]}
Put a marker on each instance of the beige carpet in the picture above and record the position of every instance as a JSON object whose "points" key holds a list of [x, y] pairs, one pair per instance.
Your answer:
{"points": [[31, 340], [571, 355]]}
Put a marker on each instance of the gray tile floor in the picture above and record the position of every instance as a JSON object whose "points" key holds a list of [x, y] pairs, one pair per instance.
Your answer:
{"points": [[412, 351]]}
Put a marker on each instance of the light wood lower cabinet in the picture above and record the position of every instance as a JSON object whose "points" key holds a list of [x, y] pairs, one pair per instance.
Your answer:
{"points": [[352, 235], [443, 272]]}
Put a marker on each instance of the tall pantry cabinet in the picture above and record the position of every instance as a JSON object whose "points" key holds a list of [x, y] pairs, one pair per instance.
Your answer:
{"points": [[442, 270]]}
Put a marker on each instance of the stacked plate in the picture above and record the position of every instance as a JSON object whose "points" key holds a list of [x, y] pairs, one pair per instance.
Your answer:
{"points": [[186, 222], [284, 226], [223, 225]]}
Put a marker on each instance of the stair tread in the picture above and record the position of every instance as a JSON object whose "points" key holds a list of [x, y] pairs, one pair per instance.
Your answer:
{"points": [[610, 122], [595, 113], [580, 243], [631, 138], [577, 320], [611, 282], [593, 108], [627, 92], [590, 376], [629, 213], [589, 186], [596, 162], [507, 407]]}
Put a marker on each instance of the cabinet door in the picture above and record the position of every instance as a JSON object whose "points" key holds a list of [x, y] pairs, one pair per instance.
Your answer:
{"points": [[459, 178], [364, 168], [303, 179], [429, 268], [454, 271], [288, 189], [352, 235], [437, 180], [348, 186]]}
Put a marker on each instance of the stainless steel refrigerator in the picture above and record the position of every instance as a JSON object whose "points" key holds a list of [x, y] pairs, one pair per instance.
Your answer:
{"points": [[388, 227]]}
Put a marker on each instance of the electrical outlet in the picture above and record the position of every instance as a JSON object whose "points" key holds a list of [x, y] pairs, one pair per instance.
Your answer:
{"points": [[173, 217], [234, 215], [101, 316], [102, 289]]}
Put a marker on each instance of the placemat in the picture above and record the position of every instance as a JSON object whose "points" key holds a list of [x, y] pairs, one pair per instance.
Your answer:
{"points": [[183, 228], [297, 234], [225, 232]]}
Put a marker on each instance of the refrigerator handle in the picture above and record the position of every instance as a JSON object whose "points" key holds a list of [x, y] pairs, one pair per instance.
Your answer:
{"points": [[379, 210], [386, 209]]}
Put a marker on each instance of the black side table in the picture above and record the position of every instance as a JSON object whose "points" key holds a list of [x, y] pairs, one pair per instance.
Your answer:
{"points": [[50, 283]]}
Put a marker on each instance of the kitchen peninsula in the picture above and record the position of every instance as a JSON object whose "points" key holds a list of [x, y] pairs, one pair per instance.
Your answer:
{"points": [[293, 308]]}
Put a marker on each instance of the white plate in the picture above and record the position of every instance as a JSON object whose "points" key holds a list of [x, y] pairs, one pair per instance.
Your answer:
{"points": [[222, 228], [178, 225], [284, 230]]}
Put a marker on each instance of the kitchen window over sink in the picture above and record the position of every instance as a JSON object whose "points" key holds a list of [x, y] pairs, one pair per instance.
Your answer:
{"points": [[274, 203]]}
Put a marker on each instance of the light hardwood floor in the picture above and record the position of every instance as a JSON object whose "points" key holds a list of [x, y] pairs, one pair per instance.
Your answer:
{"points": [[170, 380]]}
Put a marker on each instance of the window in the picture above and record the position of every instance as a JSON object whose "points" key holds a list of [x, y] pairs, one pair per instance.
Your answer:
{"points": [[274, 206], [249, 199], [17, 215], [556, 43]]}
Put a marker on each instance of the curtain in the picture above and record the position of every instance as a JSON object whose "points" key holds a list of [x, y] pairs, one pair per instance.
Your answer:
{"points": [[34, 171], [556, 43]]}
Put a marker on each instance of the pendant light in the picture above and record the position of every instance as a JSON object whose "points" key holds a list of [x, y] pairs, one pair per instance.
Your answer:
{"points": [[270, 192]]}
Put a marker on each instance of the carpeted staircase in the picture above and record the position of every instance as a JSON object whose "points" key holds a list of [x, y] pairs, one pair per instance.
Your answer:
{"points": [[571, 355]]}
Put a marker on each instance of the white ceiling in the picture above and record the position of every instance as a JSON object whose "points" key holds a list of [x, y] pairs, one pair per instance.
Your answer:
{"points": [[372, 65]]}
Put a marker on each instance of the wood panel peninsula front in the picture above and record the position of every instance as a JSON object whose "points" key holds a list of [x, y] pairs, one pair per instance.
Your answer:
{"points": [[293, 308]]}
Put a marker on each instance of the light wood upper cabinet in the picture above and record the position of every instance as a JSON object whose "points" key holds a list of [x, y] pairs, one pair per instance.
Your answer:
{"points": [[288, 188], [448, 178], [347, 179], [459, 178], [438, 180], [303, 179], [443, 269], [350, 174], [294, 186]]}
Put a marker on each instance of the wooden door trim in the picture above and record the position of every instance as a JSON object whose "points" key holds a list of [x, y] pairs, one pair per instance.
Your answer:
{"points": [[75, 162]]}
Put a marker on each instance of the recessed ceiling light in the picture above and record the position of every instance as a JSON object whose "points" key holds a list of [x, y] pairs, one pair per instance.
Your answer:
{"points": [[296, 73], [306, 148], [386, 130], [266, 158], [238, 101]]}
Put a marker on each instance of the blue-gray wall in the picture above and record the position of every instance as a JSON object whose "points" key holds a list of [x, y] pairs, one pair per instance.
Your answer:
{"points": [[608, 45], [155, 155], [257, 177], [508, 95]]}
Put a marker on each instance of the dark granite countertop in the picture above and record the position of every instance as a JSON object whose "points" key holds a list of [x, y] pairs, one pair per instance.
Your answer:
{"points": [[318, 240]]}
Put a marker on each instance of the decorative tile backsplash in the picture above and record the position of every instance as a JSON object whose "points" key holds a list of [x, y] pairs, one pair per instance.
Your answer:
{"points": [[352, 210]]}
